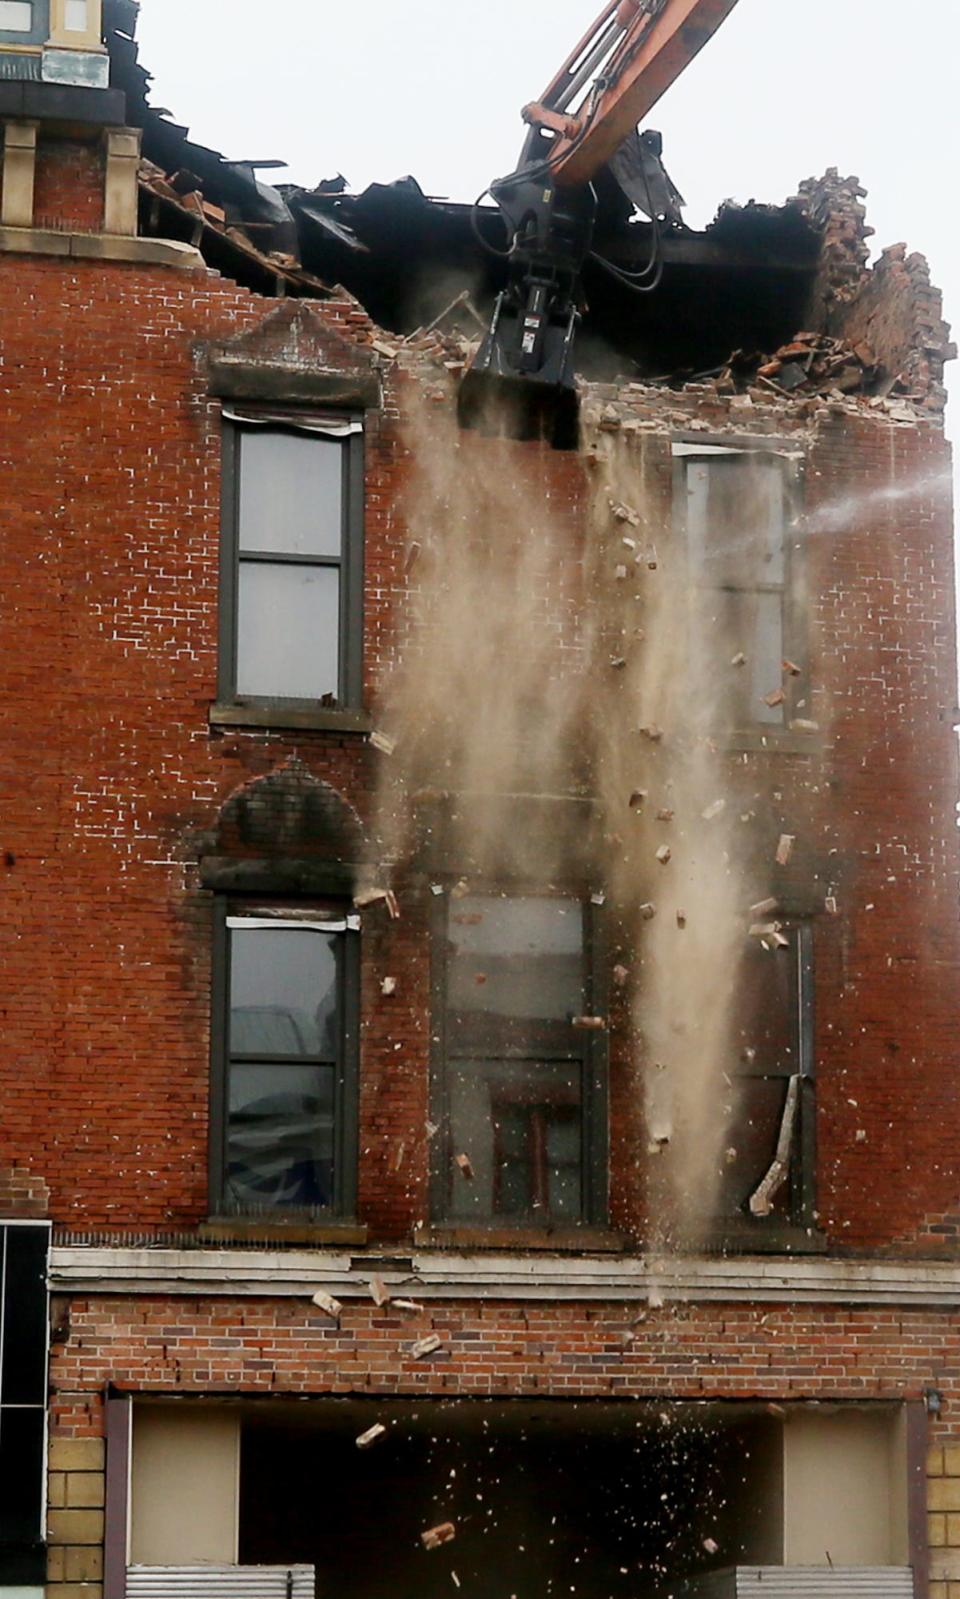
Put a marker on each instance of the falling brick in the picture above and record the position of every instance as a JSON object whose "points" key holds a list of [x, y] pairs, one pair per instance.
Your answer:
{"points": [[665, 816], [379, 1292], [425, 1346], [388, 986], [621, 975], [681, 919], [465, 1166], [331, 1307], [371, 1436], [785, 849], [714, 810], [590, 1024], [791, 668], [711, 1546], [651, 731], [638, 799], [763, 907], [411, 1306], [383, 743], [774, 698], [664, 854], [739, 659], [647, 912], [436, 1537], [414, 551]]}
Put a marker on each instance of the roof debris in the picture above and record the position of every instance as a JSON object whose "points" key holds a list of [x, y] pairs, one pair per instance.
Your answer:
{"points": [[435, 1537], [371, 1436], [426, 1346], [331, 1307]]}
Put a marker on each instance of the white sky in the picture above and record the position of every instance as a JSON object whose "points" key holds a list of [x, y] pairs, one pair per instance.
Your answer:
{"points": [[379, 88]]}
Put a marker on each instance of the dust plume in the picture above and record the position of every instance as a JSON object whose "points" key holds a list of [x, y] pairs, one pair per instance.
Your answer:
{"points": [[554, 654]]}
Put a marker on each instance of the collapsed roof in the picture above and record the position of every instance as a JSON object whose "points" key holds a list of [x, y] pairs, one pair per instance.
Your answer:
{"points": [[730, 295]]}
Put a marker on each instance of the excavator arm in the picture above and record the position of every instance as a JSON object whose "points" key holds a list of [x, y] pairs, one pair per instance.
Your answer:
{"points": [[522, 378]]}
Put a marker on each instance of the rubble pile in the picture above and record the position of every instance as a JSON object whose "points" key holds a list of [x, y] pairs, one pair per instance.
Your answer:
{"points": [[810, 363]]}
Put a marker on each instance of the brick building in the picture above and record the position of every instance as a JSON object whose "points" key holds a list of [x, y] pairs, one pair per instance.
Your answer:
{"points": [[338, 1006]]}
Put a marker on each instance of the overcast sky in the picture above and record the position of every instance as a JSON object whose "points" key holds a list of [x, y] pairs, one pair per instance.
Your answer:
{"points": [[376, 89]]}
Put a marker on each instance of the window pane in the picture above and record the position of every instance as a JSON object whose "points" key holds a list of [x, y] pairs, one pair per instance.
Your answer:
{"points": [[766, 1018], [21, 1472], [288, 631], [280, 1136], [515, 973], [16, 16], [75, 16], [283, 992], [742, 622], [290, 493], [735, 520], [519, 1122], [23, 1334]]}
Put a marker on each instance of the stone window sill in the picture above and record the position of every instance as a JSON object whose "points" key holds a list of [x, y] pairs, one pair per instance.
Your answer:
{"points": [[766, 1239], [579, 1240], [302, 718], [237, 1230]]}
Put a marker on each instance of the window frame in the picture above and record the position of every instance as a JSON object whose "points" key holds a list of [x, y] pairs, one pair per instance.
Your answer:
{"points": [[347, 1072], [593, 1054], [23, 1558], [351, 563], [38, 33], [795, 630]]}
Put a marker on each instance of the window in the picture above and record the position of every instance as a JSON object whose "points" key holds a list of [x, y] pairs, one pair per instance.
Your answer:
{"points": [[23, 1399], [519, 1086], [283, 1122], [736, 507], [24, 21], [292, 570], [772, 1084]]}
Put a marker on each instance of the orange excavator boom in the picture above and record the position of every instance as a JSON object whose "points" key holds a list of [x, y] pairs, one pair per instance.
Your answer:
{"points": [[522, 377], [657, 42]]}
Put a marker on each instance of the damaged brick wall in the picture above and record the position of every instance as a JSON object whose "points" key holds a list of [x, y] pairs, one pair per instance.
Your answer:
{"points": [[69, 185], [107, 701], [890, 310]]}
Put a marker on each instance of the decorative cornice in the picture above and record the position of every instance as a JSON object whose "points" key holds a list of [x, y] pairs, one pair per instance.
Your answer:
{"points": [[437, 1275]]}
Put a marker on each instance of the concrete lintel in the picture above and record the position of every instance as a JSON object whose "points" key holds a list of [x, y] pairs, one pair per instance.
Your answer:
{"points": [[442, 1275], [100, 247]]}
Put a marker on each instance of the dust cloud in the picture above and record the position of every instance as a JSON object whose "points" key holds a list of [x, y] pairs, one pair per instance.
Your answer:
{"points": [[555, 653]]}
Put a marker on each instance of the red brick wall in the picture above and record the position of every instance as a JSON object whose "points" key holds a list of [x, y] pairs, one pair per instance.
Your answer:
{"points": [[69, 186], [559, 1350], [109, 775]]}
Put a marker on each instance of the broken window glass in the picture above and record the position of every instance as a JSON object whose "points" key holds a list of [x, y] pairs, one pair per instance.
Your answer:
{"points": [[516, 1084], [736, 541], [769, 1051], [284, 1025]]}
